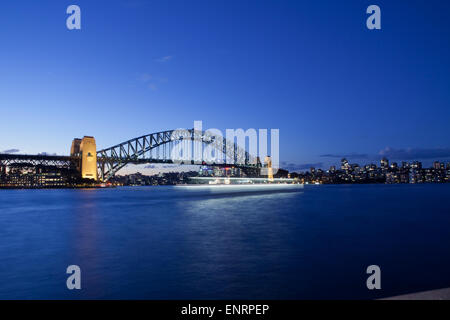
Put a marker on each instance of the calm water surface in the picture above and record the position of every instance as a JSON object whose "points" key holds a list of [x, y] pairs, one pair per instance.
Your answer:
{"points": [[169, 243]]}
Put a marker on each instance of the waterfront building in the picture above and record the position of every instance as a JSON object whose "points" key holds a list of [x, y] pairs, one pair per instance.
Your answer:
{"points": [[436, 165], [384, 164], [28, 176], [345, 166], [416, 165]]}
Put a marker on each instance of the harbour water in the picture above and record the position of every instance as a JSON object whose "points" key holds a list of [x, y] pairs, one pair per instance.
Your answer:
{"points": [[171, 243]]}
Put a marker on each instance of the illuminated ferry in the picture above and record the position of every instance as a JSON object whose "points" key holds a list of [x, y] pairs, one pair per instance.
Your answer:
{"points": [[232, 184]]}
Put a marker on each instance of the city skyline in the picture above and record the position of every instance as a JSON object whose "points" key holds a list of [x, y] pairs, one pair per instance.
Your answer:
{"points": [[332, 87]]}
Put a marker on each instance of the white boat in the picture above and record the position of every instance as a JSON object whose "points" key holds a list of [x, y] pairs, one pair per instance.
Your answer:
{"points": [[240, 185]]}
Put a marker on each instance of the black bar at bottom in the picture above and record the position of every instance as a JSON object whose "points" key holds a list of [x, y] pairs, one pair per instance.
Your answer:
{"points": [[230, 309]]}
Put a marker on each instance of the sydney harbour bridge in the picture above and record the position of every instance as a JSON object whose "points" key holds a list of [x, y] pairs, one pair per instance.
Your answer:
{"points": [[165, 147]]}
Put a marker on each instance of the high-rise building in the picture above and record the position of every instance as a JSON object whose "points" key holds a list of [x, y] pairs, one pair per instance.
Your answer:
{"points": [[436, 165], [345, 165], [416, 165], [384, 163]]}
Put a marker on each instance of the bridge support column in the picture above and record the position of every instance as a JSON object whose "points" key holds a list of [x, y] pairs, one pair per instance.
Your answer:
{"points": [[268, 162], [267, 170]]}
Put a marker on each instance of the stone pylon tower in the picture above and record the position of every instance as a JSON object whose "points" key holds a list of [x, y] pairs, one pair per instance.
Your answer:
{"points": [[86, 149], [268, 162]]}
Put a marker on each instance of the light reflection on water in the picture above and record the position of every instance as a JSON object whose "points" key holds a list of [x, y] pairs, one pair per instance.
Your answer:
{"points": [[170, 243]]}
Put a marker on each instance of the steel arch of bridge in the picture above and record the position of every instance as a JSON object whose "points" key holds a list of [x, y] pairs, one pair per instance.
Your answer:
{"points": [[139, 151]]}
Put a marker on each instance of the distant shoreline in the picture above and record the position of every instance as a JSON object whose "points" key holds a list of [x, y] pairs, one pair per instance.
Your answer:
{"points": [[40, 188], [166, 185]]}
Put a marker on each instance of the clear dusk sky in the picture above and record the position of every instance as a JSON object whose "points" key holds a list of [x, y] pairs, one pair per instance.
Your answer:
{"points": [[310, 68]]}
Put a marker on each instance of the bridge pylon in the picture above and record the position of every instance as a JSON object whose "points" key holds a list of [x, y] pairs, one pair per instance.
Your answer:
{"points": [[86, 150]]}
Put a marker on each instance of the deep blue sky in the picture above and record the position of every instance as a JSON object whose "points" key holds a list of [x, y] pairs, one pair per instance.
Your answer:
{"points": [[310, 68]]}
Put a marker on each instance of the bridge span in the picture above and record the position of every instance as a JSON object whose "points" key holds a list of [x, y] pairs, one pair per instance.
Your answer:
{"points": [[183, 147]]}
